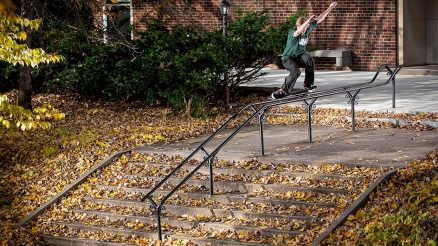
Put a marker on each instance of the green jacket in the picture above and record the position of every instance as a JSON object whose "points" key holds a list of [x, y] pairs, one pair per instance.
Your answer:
{"points": [[296, 46]]}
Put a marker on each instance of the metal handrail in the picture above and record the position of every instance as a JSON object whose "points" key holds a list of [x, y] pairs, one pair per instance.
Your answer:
{"points": [[301, 95], [362, 85], [329, 92]]}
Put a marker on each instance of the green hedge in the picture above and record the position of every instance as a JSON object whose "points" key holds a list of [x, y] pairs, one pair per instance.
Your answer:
{"points": [[168, 65]]}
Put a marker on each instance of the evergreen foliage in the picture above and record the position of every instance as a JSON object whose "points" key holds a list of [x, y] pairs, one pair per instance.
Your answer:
{"points": [[175, 65]]}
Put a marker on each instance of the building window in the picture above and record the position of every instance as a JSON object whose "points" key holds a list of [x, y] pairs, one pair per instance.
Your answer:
{"points": [[117, 19]]}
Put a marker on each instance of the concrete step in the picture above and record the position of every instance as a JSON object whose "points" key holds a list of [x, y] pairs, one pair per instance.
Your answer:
{"points": [[250, 172], [420, 70], [225, 198], [76, 241], [241, 187], [79, 230], [78, 227], [246, 202], [178, 210], [298, 226]]}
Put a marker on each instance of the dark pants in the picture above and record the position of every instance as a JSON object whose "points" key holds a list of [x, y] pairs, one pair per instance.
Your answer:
{"points": [[293, 66]]}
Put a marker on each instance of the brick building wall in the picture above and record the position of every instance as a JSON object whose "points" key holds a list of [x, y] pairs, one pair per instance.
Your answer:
{"points": [[368, 28]]}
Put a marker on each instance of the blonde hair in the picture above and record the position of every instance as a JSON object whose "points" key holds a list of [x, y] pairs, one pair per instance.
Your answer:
{"points": [[301, 21]]}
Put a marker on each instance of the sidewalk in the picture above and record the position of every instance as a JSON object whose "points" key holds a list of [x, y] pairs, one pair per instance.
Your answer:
{"points": [[330, 145], [414, 94]]}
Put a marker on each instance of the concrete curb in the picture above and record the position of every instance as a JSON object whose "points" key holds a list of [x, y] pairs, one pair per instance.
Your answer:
{"points": [[71, 186], [353, 208], [418, 71], [431, 124]]}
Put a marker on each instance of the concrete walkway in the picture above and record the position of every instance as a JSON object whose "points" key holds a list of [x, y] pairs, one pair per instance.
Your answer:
{"points": [[330, 145], [414, 93], [369, 147]]}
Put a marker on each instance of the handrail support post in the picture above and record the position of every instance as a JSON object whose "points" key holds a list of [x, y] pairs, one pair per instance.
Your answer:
{"points": [[393, 92], [210, 165], [352, 101], [309, 107], [260, 119], [158, 213]]}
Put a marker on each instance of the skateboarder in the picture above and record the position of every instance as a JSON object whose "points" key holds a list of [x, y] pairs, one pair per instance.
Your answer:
{"points": [[295, 55]]}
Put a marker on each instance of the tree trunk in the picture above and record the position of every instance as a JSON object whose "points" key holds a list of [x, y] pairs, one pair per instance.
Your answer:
{"points": [[25, 83], [25, 88]]}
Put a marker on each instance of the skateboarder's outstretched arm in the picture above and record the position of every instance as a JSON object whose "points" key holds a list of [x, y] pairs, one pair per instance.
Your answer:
{"points": [[322, 16]]}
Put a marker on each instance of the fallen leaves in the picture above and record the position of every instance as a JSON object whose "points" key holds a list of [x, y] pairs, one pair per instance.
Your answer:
{"points": [[115, 182], [342, 117], [398, 197], [36, 165]]}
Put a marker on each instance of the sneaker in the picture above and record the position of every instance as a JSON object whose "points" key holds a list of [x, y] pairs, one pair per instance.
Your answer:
{"points": [[310, 88], [278, 94]]}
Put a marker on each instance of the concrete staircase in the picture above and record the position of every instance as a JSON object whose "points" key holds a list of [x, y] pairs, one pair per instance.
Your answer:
{"points": [[267, 204]]}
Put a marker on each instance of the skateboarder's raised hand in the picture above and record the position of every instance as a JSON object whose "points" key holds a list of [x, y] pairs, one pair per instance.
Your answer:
{"points": [[322, 16]]}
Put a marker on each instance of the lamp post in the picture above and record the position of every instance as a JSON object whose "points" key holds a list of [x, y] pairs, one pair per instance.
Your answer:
{"points": [[225, 8]]}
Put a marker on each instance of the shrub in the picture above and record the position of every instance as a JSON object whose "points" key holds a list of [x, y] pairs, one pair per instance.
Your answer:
{"points": [[401, 229], [92, 76], [180, 63], [412, 226], [169, 65]]}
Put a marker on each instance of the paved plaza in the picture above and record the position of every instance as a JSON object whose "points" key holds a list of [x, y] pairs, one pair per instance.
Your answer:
{"points": [[414, 93]]}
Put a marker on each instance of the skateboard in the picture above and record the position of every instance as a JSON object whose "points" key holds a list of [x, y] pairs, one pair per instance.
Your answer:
{"points": [[302, 91]]}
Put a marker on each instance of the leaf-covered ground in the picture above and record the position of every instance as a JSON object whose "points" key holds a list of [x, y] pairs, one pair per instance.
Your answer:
{"points": [[36, 165]]}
